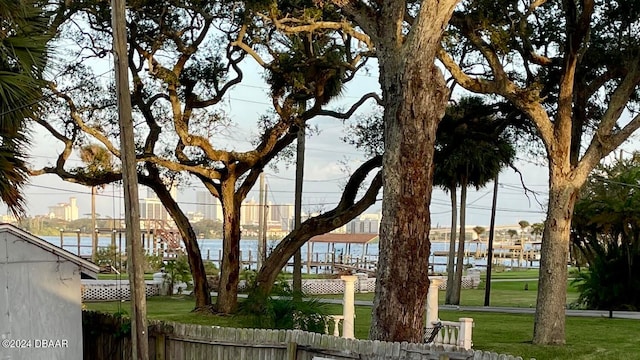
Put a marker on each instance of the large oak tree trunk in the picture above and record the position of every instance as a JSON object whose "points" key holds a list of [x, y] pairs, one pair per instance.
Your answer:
{"points": [[200, 287], [452, 248], [189, 238], [549, 325], [230, 269], [415, 98]]}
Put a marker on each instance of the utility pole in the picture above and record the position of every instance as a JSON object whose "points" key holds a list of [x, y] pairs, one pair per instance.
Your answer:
{"points": [[135, 254], [297, 257], [261, 248], [263, 239], [94, 228], [492, 228]]}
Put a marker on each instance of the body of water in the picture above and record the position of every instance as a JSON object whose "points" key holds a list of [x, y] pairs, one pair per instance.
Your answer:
{"points": [[212, 249]]}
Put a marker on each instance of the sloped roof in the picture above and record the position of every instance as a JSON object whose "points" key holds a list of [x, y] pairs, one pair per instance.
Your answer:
{"points": [[88, 268], [344, 238]]}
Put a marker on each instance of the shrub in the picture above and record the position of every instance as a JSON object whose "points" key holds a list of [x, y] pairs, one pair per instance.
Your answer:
{"points": [[210, 268], [153, 263], [284, 309], [177, 271], [610, 283], [107, 257]]}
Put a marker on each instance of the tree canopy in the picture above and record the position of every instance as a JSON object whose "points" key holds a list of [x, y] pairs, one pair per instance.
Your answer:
{"points": [[572, 68], [185, 58]]}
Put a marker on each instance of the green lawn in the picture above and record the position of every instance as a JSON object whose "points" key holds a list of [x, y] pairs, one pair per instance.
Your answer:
{"points": [[503, 294], [587, 338], [122, 276], [514, 273], [170, 308]]}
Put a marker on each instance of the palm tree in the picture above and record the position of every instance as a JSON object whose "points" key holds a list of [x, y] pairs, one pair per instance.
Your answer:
{"points": [[23, 56], [523, 225], [470, 151], [479, 230], [536, 230]]}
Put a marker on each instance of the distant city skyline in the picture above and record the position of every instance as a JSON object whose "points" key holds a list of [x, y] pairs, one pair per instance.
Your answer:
{"points": [[193, 202], [315, 199]]}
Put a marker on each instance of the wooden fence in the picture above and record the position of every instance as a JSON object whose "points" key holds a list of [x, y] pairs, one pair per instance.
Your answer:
{"points": [[106, 337]]}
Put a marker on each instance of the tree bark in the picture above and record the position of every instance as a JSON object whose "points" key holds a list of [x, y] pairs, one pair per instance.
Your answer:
{"points": [[230, 269], [549, 327], [415, 97], [452, 247]]}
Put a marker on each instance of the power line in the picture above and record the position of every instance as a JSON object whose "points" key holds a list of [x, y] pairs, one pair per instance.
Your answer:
{"points": [[309, 180]]}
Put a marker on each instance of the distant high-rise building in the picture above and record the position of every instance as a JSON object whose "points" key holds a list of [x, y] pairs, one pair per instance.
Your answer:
{"points": [[65, 211], [8, 218], [249, 213], [365, 224], [208, 206], [277, 215], [151, 207], [281, 214]]}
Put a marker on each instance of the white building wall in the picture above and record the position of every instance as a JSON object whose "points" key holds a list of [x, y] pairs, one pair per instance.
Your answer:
{"points": [[39, 302]]}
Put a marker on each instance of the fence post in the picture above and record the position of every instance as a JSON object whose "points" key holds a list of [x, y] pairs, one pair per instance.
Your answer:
{"points": [[160, 346], [349, 309], [78, 238], [432, 302], [466, 329], [292, 351]]}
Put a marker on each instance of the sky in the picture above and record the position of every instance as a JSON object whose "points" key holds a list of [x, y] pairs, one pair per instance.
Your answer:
{"points": [[326, 158]]}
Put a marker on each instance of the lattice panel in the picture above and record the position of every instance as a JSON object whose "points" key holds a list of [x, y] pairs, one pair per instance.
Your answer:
{"points": [[326, 286], [108, 291], [363, 284], [112, 290], [366, 285], [334, 286], [470, 281]]}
